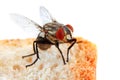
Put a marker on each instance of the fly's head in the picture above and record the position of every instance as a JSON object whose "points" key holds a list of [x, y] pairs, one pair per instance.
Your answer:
{"points": [[64, 32], [68, 30]]}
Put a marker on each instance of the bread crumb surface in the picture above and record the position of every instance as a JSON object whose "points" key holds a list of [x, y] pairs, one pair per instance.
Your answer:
{"points": [[82, 64]]}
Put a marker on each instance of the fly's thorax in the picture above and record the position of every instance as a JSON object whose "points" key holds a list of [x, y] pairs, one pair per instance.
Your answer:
{"points": [[51, 29]]}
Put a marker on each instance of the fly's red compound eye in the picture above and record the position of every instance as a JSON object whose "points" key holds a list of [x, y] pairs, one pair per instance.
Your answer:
{"points": [[70, 27], [60, 34]]}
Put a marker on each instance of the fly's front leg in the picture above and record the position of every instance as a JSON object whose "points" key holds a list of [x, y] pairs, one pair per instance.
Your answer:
{"points": [[35, 49], [57, 45], [73, 42]]}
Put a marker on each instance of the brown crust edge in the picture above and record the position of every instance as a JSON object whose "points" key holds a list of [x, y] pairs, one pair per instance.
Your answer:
{"points": [[85, 69]]}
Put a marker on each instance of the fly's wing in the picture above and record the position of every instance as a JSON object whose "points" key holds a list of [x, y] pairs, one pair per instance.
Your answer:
{"points": [[27, 24], [46, 16]]}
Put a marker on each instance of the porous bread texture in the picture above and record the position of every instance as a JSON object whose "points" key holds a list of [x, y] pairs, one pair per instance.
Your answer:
{"points": [[82, 64]]}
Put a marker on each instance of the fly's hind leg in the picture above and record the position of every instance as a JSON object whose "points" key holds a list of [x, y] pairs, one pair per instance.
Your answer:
{"points": [[28, 55], [35, 49]]}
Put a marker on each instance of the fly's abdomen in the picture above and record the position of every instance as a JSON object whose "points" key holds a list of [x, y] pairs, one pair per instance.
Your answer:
{"points": [[44, 46]]}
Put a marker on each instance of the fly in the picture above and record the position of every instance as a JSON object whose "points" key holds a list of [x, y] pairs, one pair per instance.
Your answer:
{"points": [[51, 33]]}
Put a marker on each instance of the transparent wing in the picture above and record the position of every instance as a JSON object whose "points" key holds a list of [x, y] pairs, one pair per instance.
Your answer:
{"points": [[27, 24], [45, 15]]}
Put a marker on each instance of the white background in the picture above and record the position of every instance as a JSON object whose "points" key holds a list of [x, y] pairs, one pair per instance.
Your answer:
{"points": [[95, 20]]}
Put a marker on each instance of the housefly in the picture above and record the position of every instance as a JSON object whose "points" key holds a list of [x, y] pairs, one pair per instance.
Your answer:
{"points": [[51, 33]]}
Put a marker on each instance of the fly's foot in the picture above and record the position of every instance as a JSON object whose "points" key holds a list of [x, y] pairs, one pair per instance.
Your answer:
{"points": [[67, 60]]}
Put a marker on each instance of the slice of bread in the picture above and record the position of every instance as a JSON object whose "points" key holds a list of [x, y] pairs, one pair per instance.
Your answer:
{"points": [[81, 65]]}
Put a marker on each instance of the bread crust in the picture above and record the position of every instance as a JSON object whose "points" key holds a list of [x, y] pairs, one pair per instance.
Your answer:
{"points": [[82, 64]]}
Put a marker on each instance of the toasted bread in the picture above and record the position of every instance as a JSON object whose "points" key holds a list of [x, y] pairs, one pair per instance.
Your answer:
{"points": [[81, 65]]}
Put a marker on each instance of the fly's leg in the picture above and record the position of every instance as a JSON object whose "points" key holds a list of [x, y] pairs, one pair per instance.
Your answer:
{"points": [[57, 45], [35, 49], [73, 42], [28, 55]]}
